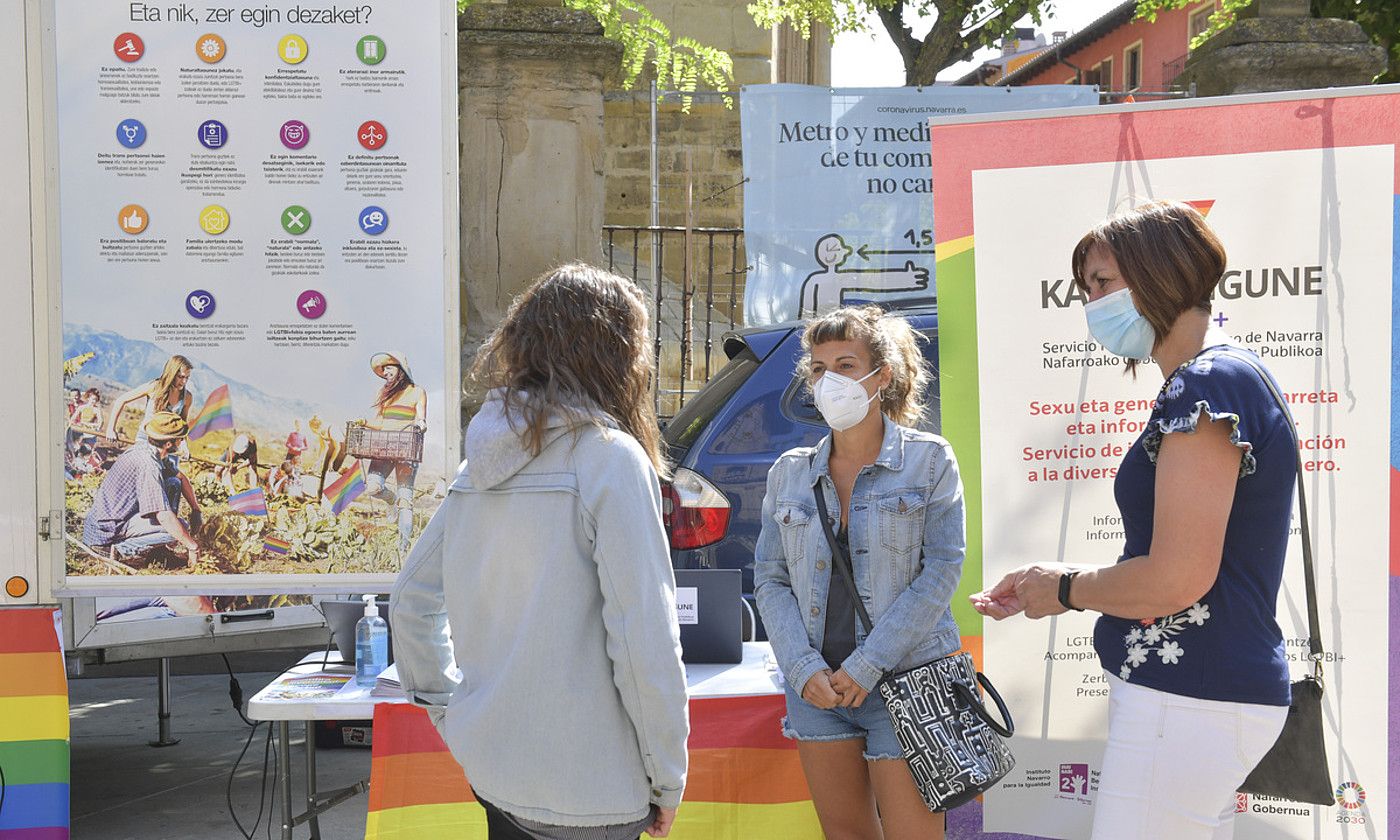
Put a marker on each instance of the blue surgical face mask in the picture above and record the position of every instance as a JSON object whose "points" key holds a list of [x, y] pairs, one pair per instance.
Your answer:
{"points": [[1115, 323]]}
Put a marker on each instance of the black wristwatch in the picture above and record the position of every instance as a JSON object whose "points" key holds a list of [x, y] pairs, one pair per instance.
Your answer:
{"points": [[1065, 580]]}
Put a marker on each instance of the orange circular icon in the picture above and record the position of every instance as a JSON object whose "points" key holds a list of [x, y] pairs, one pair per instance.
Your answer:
{"points": [[16, 587], [133, 218], [210, 48]]}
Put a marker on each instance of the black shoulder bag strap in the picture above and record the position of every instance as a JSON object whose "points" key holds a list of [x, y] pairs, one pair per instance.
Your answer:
{"points": [[839, 558], [1309, 576]]}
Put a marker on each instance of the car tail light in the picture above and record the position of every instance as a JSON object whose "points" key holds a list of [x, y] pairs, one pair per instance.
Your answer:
{"points": [[695, 511]]}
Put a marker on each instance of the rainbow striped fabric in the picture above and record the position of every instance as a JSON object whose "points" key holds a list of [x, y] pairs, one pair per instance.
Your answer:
{"points": [[399, 412], [745, 778], [217, 413], [345, 489], [251, 502], [276, 545], [33, 727]]}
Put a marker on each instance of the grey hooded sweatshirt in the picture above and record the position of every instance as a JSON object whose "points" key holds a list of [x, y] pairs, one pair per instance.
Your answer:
{"points": [[546, 580]]}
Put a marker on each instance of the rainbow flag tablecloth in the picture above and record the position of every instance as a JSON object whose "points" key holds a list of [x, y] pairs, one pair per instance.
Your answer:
{"points": [[745, 779], [33, 727]]}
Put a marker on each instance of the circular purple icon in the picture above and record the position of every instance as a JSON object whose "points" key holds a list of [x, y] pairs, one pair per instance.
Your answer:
{"points": [[213, 134], [311, 304], [200, 304], [295, 134]]}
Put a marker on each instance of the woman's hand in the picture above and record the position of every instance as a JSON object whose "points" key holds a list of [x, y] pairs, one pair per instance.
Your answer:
{"points": [[852, 695], [1000, 601], [1033, 589], [1038, 589], [818, 690], [661, 826]]}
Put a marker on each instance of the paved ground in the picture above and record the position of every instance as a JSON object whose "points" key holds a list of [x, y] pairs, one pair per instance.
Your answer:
{"points": [[123, 789]]}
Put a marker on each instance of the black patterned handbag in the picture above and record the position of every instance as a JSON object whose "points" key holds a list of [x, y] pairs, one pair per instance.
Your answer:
{"points": [[955, 750]]}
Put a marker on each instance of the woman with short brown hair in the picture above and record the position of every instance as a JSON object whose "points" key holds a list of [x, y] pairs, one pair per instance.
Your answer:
{"points": [[1199, 683]]}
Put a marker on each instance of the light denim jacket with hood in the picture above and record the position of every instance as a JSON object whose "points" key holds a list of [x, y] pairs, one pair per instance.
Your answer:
{"points": [[907, 536], [546, 579]]}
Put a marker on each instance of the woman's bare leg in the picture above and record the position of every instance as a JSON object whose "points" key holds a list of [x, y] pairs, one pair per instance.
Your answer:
{"points": [[840, 784]]}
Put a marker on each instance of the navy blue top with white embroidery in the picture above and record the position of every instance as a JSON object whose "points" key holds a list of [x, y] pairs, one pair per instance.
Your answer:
{"points": [[1227, 646]]}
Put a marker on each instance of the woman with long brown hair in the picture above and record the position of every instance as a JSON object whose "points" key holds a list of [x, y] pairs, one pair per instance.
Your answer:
{"points": [[167, 392], [549, 560]]}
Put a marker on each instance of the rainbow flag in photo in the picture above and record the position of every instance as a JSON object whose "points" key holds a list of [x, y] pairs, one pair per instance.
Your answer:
{"points": [[217, 413], [399, 412], [276, 545], [345, 489], [251, 502], [33, 727]]}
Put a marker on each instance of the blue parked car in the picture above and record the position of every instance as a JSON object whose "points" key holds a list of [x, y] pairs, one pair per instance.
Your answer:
{"points": [[727, 436]]}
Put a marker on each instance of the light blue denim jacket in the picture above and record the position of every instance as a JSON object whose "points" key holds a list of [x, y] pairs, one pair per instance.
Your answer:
{"points": [[907, 539], [539, 607]]}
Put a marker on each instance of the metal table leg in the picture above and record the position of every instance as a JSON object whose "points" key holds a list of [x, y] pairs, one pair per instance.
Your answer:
{"points": [[284, 766], [163, 738], [317, 802], [311, 804]]}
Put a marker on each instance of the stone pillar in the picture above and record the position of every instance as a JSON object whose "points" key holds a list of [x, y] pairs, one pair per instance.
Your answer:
{"points": [[530, 81], [1282, 48]]}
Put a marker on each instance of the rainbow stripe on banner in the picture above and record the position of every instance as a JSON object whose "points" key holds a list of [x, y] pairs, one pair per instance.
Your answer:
{"points": [[345, 489], [251, 502], [745, 779], [33, 727], [217, 413], [276, 545]]}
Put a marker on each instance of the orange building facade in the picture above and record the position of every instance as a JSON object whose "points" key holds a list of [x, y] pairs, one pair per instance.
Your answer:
{"points": [[1119, 53]]}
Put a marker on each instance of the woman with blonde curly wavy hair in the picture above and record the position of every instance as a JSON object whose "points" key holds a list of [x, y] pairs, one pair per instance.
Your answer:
{"points": [[897, 510], [550, 559]]}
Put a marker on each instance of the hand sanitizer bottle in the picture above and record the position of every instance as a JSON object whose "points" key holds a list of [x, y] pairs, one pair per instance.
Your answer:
{"points": [[371, 645]]}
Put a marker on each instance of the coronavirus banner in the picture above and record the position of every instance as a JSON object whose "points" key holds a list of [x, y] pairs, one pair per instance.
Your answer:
{"points": [[1302, 190], [836, 199], [256, 234]]}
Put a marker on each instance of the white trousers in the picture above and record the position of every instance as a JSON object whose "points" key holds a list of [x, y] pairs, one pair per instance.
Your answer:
{"points": [[1173, 763]]}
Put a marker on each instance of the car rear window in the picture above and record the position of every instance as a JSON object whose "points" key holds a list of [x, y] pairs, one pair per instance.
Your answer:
{"points": [[688, 424]]}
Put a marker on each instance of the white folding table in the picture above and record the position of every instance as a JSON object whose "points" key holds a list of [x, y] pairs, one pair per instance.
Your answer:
{"points": [[756, 675]]}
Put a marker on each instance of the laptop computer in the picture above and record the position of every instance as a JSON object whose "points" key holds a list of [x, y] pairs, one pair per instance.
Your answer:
{"points": [[708, 606]]}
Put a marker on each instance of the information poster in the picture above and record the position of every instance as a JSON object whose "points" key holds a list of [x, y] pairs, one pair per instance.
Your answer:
{"points": [[836, 194], [257, 231], [1305, 201]]}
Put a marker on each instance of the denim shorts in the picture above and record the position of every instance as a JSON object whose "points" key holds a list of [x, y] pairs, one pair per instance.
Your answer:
{"points": [[805, 722]]}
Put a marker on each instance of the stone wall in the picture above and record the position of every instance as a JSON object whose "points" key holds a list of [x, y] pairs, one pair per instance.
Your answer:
{"points": [[531, 83], [699, 153]]}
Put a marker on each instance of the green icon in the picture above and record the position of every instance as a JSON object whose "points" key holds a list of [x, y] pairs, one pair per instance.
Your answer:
{"points": [[371, 49], [296, 220]]}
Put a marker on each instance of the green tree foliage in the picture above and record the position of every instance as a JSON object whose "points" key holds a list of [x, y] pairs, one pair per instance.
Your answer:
{"points": [[678, 63], [960, 27], [1379, 19]]}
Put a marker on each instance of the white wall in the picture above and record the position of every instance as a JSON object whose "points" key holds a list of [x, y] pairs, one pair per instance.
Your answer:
{"points": [[20, 132]]}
